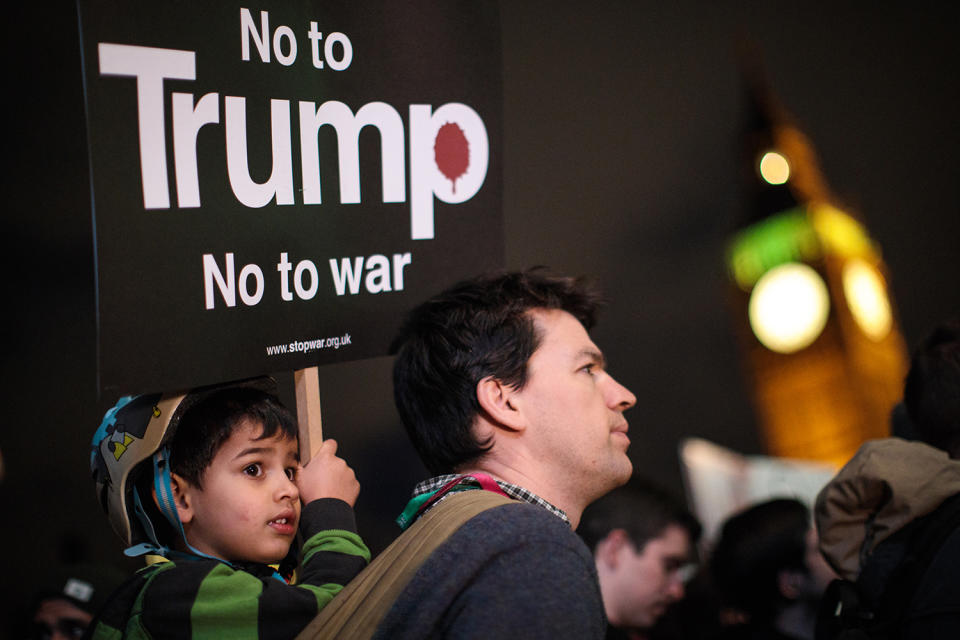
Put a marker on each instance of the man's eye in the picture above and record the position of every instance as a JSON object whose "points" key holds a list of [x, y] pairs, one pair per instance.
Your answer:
{"points": [[252, 469]]}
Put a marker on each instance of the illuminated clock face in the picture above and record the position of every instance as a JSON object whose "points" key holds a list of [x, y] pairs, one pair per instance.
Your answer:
{"points": [[789, 307], [866, 295]]}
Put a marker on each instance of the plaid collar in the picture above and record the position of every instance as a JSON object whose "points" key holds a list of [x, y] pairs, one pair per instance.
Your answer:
{"points": [[428, 487]]}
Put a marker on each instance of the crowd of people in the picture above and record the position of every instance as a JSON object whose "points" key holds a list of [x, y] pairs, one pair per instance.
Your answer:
{"points": [[534, 523]]}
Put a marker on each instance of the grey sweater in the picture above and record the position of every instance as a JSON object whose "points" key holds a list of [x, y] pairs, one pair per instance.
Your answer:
{"points": [[514, 571]]}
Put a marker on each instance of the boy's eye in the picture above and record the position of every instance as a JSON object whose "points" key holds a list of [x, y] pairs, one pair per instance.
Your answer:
{"points": [[291, 472], [252, 469]]}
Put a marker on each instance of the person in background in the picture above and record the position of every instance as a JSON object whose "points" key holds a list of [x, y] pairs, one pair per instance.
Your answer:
{"points": [[931, 394], [889, 521], [769, 572], [642, 541], [68, 599]]}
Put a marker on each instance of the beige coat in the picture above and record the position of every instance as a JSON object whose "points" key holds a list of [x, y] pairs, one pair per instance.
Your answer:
{"points": [[887, 484]]}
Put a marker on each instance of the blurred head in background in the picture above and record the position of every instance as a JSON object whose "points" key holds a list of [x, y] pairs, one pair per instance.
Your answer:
{"points": [[642, 541], [931, 394], [768, 568]]}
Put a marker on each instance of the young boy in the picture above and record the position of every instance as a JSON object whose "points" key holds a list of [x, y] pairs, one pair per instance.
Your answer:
{"points": [[211, 482]]}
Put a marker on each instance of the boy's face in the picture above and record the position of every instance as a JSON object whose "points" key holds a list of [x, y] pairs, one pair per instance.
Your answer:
{"points": [[249, 506]]}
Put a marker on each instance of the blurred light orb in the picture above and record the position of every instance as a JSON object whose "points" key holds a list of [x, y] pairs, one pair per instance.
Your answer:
{"points": [[789, 307], [866, 295], [774, 168]]}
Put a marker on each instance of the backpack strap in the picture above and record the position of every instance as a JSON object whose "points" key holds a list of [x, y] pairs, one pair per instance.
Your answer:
{"points": [[357, 610]]}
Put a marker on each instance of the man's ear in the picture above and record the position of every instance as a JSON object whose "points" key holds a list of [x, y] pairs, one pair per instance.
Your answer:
{"points": [[497, 401], [182, 497], [610, 547]]}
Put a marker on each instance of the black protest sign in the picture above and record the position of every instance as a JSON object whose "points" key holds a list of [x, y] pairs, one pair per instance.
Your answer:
{"points": [[274, 185]]}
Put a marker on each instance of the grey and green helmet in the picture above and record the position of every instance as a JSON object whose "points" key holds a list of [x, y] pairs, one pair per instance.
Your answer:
{"points": [[132, 440], [131, 432]]}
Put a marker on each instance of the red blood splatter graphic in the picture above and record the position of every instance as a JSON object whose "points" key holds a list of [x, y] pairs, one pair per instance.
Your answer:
{"points": [[451, 151]]}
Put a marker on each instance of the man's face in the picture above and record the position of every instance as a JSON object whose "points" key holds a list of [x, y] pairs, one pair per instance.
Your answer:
{"points": [[574, 409], [249, 506], [58, 619], [642, 585], [821, 574]]}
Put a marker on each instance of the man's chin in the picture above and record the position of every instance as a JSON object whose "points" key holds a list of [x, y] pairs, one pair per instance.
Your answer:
{"points": [[615, 474], [626, 472], [646, 620], [618, 476]]}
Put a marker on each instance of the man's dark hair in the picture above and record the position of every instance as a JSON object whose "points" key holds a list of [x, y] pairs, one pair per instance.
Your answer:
{"points": [[477, 328], [641, 509], [755, 545], [932, 390], [206, 425]]}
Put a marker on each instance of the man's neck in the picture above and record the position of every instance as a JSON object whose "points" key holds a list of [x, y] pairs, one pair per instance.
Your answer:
{"points": [[530, 482]]}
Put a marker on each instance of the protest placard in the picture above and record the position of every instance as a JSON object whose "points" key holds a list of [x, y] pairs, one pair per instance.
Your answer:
{"points": [[275, 184]]}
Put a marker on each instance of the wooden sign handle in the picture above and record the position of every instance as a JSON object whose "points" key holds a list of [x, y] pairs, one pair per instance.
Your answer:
{"points": [[307, 383]]}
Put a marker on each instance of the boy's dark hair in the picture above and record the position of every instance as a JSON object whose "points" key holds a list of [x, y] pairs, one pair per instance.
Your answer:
{"points": [[641, 509], [477, 328], [754, 546], [206, 425], [932, 390]]}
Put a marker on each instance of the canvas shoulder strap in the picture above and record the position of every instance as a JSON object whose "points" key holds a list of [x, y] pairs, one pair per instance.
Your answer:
{"points": [[359, 608]]}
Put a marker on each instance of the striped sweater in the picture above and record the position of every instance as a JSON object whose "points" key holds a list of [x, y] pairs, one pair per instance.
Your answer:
{"points": [[204, 598]]}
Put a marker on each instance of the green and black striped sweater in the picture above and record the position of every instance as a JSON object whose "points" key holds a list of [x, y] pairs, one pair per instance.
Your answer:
{"points": [[204, 598]]}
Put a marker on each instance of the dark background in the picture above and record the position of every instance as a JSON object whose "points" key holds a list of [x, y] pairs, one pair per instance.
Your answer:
{"points": [[621, 125]]}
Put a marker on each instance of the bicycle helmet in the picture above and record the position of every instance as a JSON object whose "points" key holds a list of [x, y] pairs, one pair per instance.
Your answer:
{"points": [[132, 437]]}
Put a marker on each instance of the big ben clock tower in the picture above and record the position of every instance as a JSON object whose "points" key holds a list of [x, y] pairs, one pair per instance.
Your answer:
{"points": [[818, 329]]}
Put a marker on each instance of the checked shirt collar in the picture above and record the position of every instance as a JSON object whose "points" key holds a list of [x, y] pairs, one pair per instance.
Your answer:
{"points": [[428, 487]]}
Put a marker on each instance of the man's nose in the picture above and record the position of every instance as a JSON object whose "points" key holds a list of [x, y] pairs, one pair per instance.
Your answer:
{"points": [[619, 397], [675, 587]]}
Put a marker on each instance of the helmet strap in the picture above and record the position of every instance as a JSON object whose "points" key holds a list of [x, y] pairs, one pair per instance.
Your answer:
{"points": [[166, 501], [154, 545]]}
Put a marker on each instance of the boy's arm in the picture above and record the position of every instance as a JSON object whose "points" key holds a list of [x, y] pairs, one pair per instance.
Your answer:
{"points": [[332, 555], [333, 552]]}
